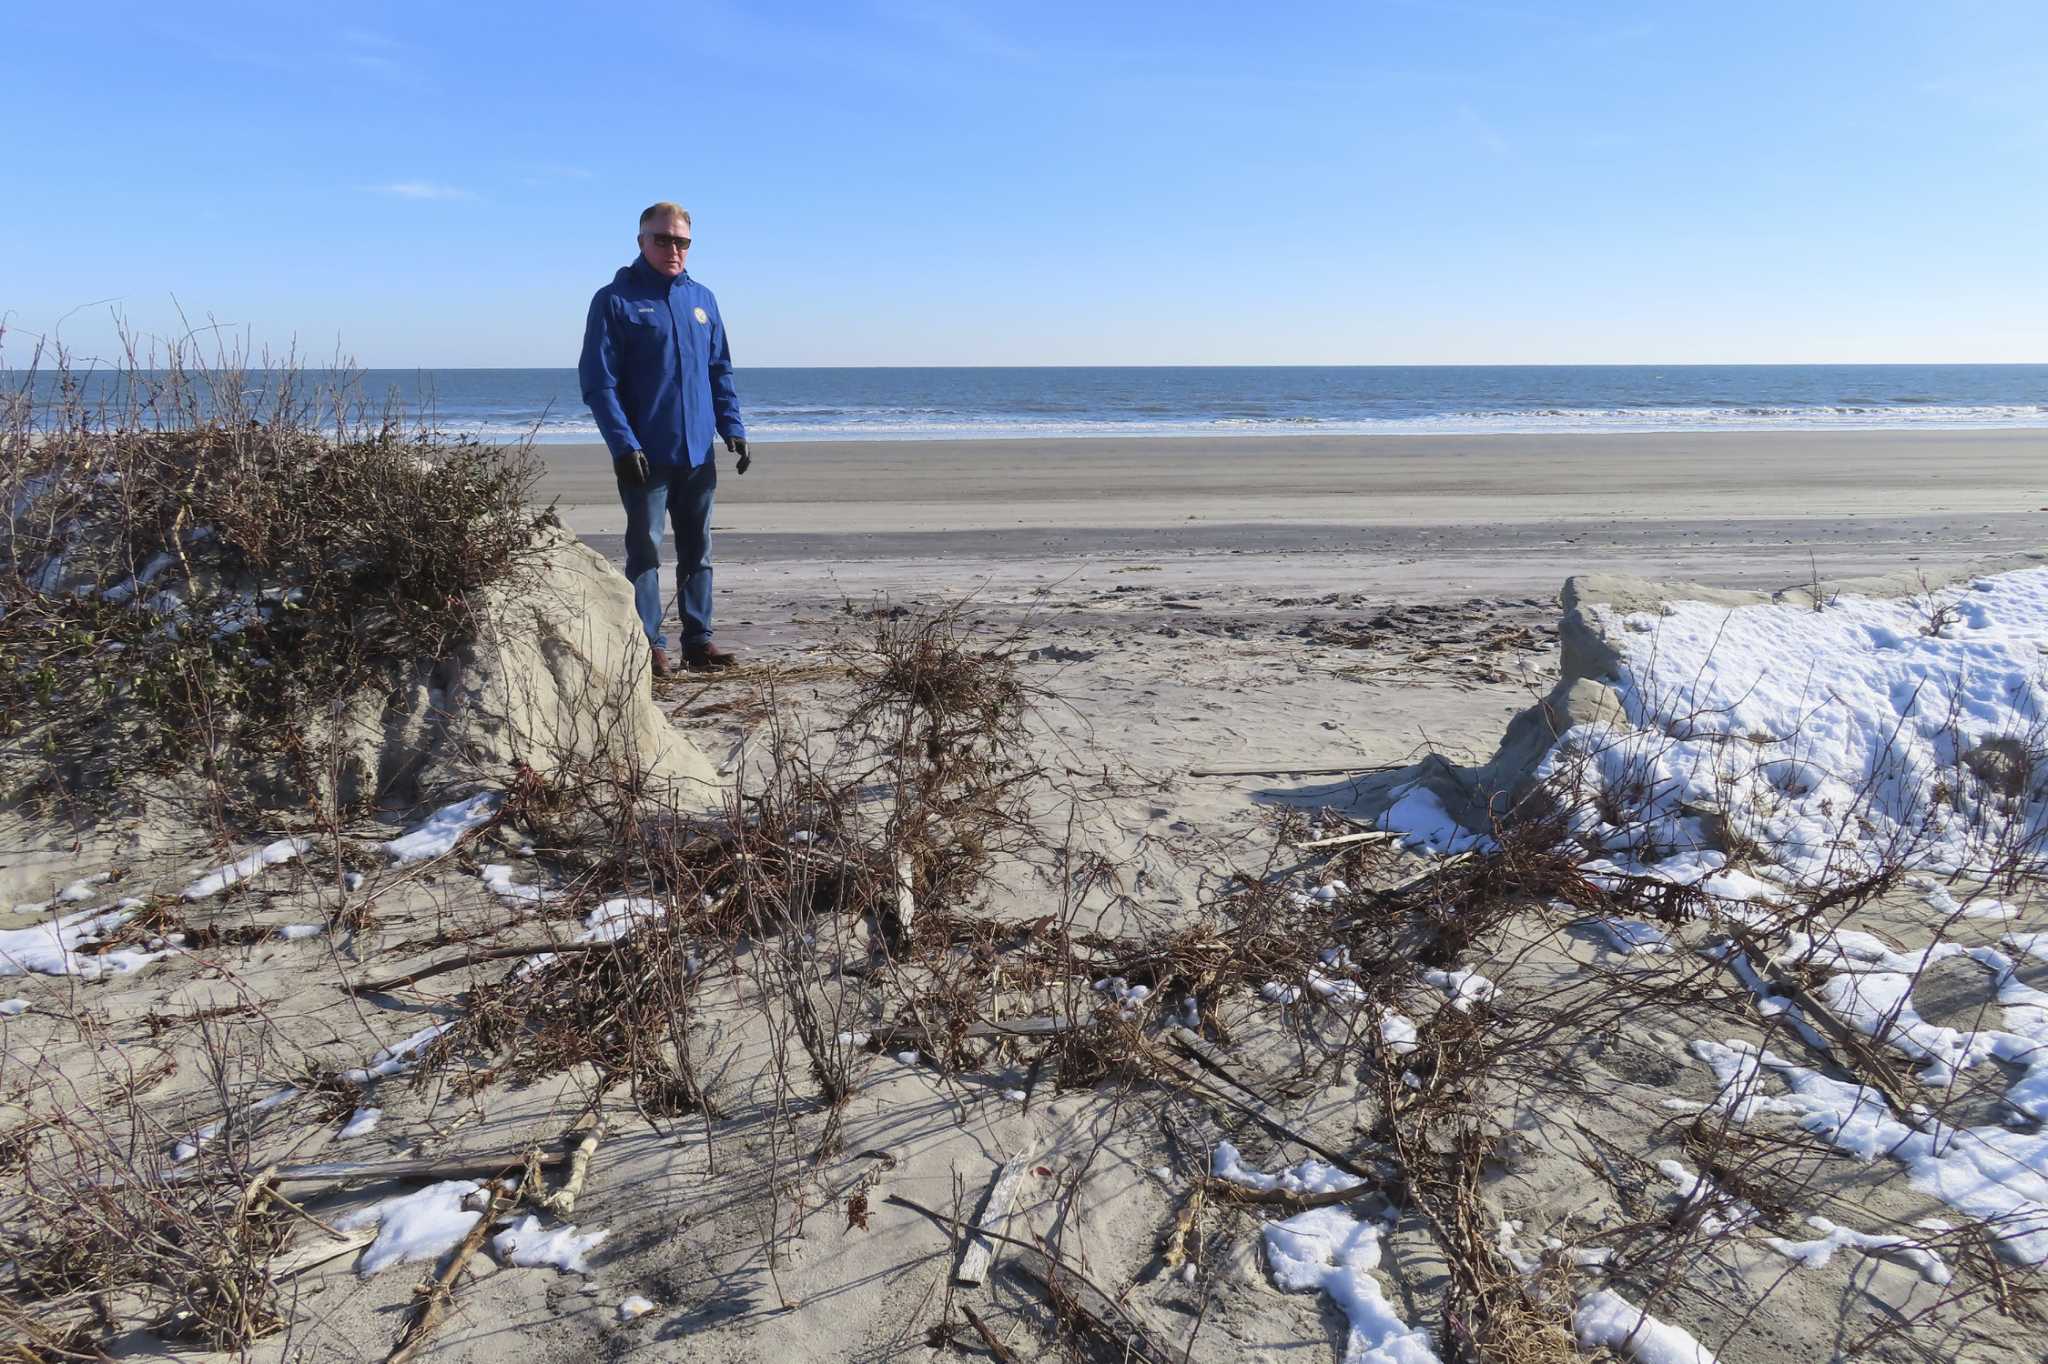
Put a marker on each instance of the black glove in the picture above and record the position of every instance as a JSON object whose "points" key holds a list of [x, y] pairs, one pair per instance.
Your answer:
{"points": [[632, 469], [737, 445]]}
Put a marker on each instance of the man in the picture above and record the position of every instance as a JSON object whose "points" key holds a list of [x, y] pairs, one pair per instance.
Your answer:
{"points": [[657, 374]]}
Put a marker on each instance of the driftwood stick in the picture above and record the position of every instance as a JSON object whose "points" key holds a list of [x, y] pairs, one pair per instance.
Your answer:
{"points": [[303, 1258], [982, 1030], [1035, 1256], [484, 1165], [906, 900], [1113, 1328], [995, 1210], [1270, 771], [1186, 1223], [476, 958], [1230, 1092], [1745, 969], [1425, 878], [1198, 1049], [1346, 840], [988, 1337], [437, 1293], [1024, 1027], [1871, 1067], [562, 1201]]}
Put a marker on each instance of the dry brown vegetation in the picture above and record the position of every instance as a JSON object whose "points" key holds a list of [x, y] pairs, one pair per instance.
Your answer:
{"points": [[179, 545]]}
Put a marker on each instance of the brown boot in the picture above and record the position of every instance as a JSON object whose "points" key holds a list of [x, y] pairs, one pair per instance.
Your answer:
{"points": [[706, 657], [662, 667]]}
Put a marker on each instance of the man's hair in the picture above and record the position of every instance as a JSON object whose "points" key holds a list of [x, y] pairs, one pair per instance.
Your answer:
{"points": [[663, 210]]}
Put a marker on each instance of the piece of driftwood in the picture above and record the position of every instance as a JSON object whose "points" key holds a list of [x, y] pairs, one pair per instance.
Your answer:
{"points": [[477, 958], [1347, 840], [995, 1210], [1871, 1067], [1425, 878], [988, 1337], [1205, 1053], [1134, 1344], [1024, 1027], [1185, 1224], [562, 1201], [1270, 771], [906, 900], [1113, 1329], [1251, 1105], [437, 1293], [482, 1165], [313, 1255], [982, 1030], [1745, 970]]}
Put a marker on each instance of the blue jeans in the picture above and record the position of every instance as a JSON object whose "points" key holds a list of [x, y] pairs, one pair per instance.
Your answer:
{"points": [[681, 495]]}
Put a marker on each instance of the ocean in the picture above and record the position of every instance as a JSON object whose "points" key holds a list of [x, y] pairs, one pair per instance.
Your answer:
{"points": [[932, 404]]}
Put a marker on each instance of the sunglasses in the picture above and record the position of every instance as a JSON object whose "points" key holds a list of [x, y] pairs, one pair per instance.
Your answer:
{"points": [[667, 242]]}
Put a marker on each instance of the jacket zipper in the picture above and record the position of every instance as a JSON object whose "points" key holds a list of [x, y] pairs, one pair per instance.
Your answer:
{"points": [[675, 332]]}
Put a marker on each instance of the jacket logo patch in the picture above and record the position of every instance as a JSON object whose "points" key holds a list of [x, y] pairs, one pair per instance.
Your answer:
{"points": [[704, 317], [647, 307]]}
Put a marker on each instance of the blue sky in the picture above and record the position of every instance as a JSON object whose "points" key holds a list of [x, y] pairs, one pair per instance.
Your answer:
{"points": [[907, 181]]}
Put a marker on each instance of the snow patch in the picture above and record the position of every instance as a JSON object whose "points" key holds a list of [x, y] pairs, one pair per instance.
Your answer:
{"points": [[1816, 1254], [1829, 740], [1465, 988], [1604, 1317], [1419, 816], [362, 1122], [1990, 1173], [526, 1246], [396, 1057], [417, 1226], [1632, 935], [242, 868], [51, 949], [444, 828], [1328, 1249], [498, 878]]}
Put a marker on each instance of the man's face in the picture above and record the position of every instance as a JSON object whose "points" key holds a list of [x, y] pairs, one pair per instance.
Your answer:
{"points": [[665, 244]]}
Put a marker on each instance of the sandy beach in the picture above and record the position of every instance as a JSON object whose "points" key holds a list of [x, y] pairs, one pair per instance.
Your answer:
{"points": [[1409, 512], [1231, 586], [1309, 617]]}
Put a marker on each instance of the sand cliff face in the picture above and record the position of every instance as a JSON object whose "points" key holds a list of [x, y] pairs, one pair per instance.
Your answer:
{"points": [[555, 681]]}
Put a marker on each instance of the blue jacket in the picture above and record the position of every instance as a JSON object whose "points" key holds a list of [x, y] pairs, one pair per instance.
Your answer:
{"points": [[656, 370]]}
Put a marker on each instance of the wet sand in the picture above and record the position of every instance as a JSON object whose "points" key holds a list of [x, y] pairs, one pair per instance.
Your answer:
{"points": [[1410, 512]]}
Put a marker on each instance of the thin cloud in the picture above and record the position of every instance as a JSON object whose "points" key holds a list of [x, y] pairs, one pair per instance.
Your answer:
{"points": [[384, 67], [364, 37], [1482, 131], [548, 172], [422, 189], [221, 48], [380, 56]]}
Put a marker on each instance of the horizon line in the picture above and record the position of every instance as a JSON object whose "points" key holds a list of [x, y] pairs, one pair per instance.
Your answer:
{"points": [[1431, 364]]}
